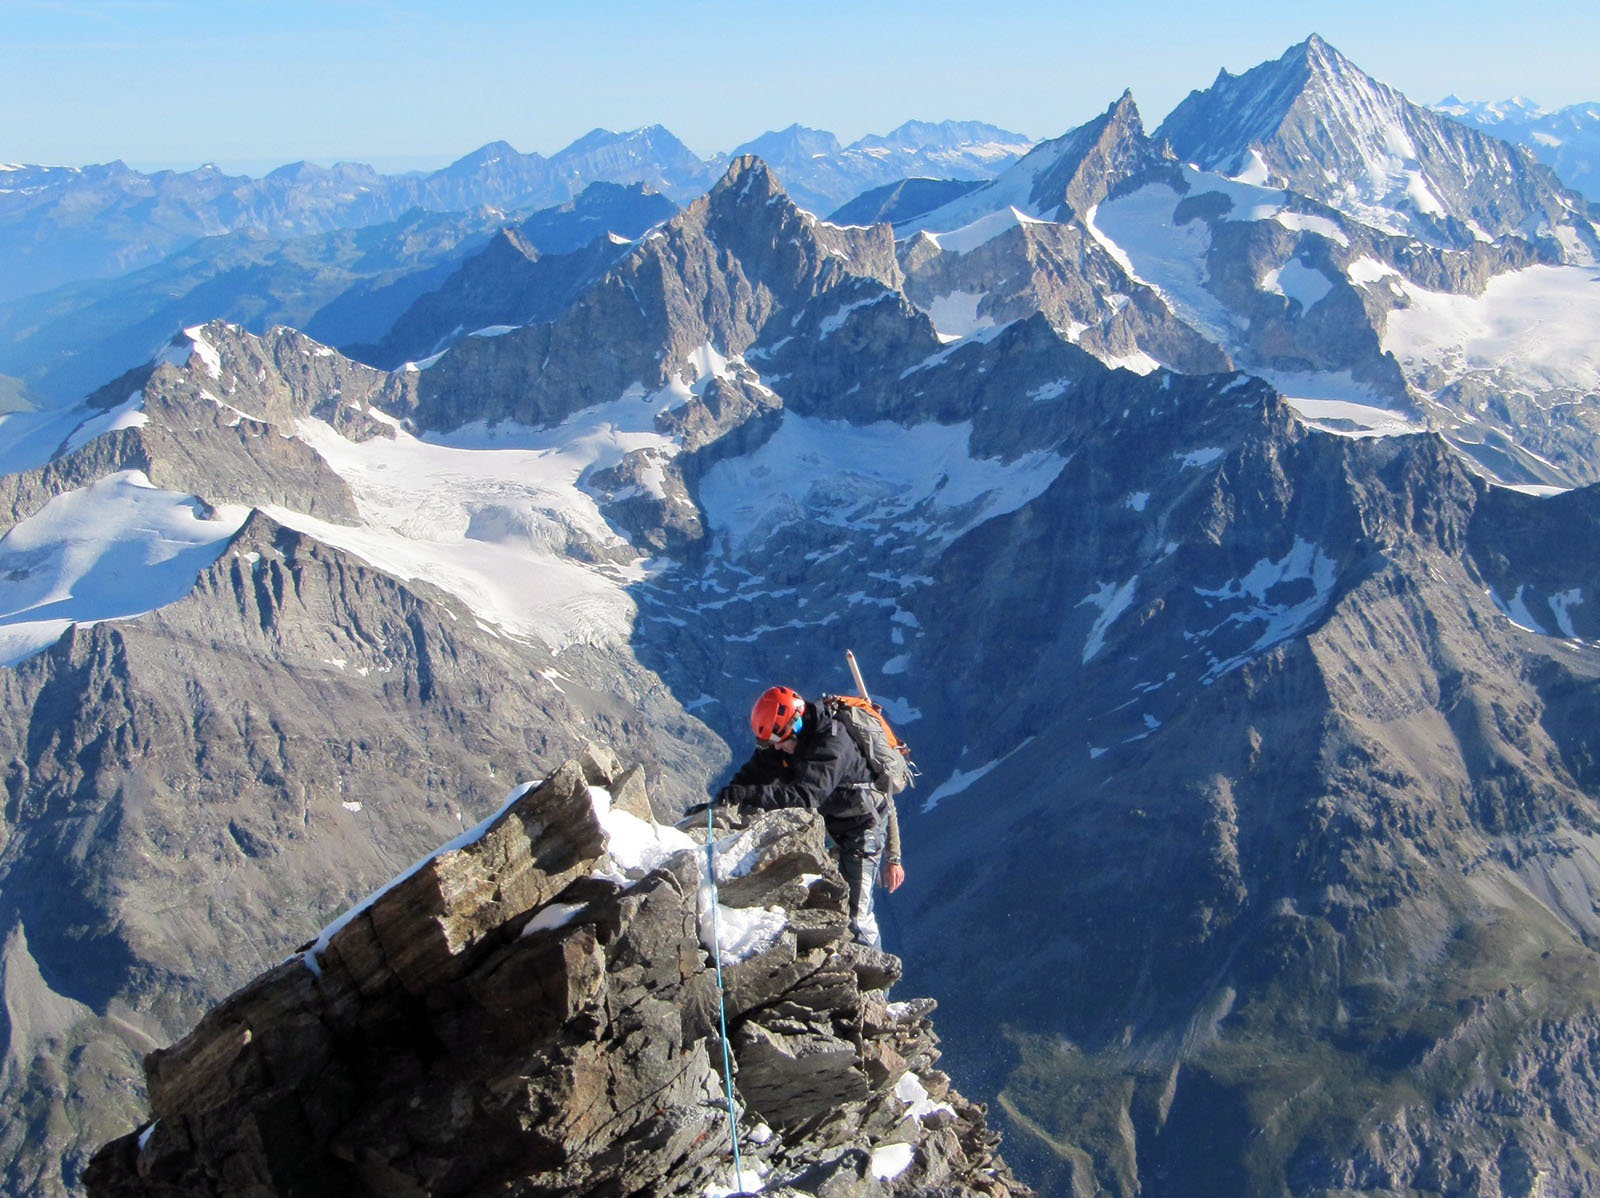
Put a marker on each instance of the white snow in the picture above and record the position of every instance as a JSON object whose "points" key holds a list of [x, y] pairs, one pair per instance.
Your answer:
{"points": [[1294, 280], [956, 316], [960, 780], [891, 1160], [486, 513], [1138, 362], [1280, 620], [1005, 201], [30, 439], [863, 475], [112, 550], [1112, 600], [205, 351], [551, 917], [1138, 231], [1370, 270], [1255, 170], [1199, 459], [1516, 610], [494, 330], [749, 1181], [1346, 419], [833, 323], [1138, 500], [910, 1090], [1308, 223], [1334, 402], [985, 229], [744, 931], [634, 846], [1538, 325], [1051, 390], [1420, 195], [128, 414], [1561, 605]]}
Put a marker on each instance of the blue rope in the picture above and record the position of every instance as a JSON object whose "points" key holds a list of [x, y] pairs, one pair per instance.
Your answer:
{"points": [[722, 1010]]}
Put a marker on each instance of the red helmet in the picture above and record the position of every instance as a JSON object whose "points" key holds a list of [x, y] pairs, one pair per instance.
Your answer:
{"points": [[776, 714]]}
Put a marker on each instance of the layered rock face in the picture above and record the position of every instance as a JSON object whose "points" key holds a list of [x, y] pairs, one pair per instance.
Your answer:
{"points": [[531, 1011]]}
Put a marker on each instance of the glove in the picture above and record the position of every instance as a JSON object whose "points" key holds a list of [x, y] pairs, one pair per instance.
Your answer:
{"points": [[745, 798]]}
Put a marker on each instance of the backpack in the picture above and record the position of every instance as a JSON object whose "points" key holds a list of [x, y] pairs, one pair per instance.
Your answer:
{"points": [[886, 755]]}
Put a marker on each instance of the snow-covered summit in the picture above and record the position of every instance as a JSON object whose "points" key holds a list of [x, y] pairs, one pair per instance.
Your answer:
{"points": [[1315, 123], [1057, 179]]}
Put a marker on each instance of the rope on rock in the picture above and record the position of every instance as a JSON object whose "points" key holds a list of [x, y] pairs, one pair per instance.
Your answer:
{"points": [[722, 1010]]}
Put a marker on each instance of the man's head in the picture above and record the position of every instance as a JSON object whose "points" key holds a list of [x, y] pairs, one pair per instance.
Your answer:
{"points": [[776, 718]]}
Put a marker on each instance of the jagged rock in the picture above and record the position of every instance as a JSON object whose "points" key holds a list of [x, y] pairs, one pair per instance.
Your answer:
{"points": [[530, 1011]]}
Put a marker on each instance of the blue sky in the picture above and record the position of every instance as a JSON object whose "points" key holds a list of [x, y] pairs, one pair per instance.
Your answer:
{"points": [[251, 84]]}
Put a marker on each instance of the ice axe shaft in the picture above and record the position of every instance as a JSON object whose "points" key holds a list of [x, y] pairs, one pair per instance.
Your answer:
{"points": [[855, 672]]}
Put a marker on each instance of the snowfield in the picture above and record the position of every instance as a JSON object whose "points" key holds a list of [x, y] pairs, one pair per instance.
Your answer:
{"points": [[114, 549], [30, 439], [488, 514], [1540, 325], [866, 475]]}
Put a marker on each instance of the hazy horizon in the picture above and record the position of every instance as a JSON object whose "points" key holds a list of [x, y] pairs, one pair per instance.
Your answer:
{"points": [[396, 84]]}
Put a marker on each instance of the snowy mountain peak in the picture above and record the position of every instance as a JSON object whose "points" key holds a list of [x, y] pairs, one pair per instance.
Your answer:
{"points": [[945, 135], [1314, 123], [1215, 129], [486, 155], [797, 141], [1059, 179]]}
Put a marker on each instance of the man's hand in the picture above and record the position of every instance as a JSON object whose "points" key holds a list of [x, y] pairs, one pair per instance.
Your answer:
{"points": [[893, 875], [737, 796]]}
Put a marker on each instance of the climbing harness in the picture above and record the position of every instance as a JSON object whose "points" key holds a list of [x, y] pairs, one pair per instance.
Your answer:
{"points": [[722, 1010]]}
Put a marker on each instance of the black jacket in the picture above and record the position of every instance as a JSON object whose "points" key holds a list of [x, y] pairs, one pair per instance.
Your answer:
{"points": [[826, 773]]}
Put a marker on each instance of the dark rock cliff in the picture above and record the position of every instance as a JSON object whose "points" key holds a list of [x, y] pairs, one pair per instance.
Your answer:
{"points": [[532, 1010]]}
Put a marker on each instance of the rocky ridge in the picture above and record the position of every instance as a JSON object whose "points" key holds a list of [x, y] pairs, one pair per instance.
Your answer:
{"points": [[1259, 762], [531, 1011], [1147, 260], [1316, 124], [1564, 140]]}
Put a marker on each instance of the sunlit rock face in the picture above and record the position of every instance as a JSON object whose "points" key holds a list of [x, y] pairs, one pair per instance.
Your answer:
{"points": [[539, 1009]]}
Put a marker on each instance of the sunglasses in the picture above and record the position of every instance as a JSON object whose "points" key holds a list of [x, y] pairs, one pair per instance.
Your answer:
{"points": [[780, 737]]}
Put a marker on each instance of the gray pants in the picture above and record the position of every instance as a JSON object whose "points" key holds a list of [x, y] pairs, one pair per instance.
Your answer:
{"points": [[858, 862]]}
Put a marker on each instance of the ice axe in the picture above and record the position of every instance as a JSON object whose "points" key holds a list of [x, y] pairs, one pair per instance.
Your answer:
{"points": [[855, 672]]}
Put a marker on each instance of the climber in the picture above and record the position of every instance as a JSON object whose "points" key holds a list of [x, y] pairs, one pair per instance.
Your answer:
{"points": [[804, 758]]}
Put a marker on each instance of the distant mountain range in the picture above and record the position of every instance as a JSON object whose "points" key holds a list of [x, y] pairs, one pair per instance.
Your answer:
{"points": [[346, 287], [1567, 140], [61, 224], [1215, 511], [344, 252]]}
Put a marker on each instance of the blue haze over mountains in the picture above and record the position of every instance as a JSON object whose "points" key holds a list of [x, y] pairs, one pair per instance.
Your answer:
{"points": [[1215, 511], [341, 251]]}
